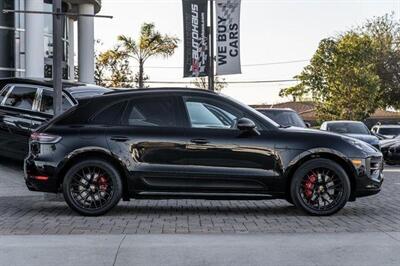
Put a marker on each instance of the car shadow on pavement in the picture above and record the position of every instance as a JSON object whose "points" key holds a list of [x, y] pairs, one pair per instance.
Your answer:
{"points": [[144, 208], [11, 163]]}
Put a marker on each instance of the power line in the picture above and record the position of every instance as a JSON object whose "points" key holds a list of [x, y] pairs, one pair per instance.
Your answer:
{"points": [[217, 82], [245, 65], [228, 82]]}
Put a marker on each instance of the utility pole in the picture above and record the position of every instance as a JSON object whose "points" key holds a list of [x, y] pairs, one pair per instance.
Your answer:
{"points": [[211, 46], [57, 57]]}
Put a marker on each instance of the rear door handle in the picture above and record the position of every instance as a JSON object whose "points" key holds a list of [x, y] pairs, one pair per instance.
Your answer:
{"points": [[119, 138], [199, 141]]}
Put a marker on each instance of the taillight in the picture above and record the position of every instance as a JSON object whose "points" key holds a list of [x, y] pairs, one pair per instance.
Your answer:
{"points": [[45, 138]]}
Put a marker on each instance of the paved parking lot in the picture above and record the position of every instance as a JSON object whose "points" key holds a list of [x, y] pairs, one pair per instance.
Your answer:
{"points": [[23, 212]]}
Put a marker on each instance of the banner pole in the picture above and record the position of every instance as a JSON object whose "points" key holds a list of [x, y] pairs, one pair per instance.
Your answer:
{"points": [[211, 50], [57, 57]]}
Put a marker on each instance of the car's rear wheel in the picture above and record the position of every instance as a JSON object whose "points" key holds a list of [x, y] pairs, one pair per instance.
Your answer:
{"points": [[92, 187], [320, 187]]}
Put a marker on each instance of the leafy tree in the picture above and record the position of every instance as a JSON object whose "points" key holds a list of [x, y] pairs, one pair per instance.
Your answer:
{"points": [[202, 83], [113, 69], [150, 43], [385, 33], [350, 76]]}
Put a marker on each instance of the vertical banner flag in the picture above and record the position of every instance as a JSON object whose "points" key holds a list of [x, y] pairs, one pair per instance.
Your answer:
{"points": [[196, 58], [228, 37]]}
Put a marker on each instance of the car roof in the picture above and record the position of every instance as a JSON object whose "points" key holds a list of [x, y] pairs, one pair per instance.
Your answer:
{"points": [[343, 122], [39, 82], [87, 88], [157, 90], [276, 109]]}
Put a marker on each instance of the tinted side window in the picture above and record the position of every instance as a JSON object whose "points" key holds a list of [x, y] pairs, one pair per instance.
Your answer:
{"points": [[46, 105], [207, 113], [152, 111], [21, 97], [111, 115]]}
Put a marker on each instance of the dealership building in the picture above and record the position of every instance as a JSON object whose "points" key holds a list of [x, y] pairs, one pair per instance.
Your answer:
{"points": [[26, 44]]}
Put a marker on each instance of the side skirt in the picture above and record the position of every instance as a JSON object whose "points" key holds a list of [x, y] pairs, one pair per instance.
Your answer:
{"points": [[207, 196]]}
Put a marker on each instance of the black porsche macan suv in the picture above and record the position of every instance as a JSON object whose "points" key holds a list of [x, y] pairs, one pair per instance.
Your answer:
{"points": [[182, 143]]}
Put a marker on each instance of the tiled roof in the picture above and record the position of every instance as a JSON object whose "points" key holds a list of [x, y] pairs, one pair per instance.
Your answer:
{"points": [[385, 114], [307, 110]]}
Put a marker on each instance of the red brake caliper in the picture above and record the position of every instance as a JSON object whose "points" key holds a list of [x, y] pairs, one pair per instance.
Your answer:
{"points": [[309, 185], [103, 183]]}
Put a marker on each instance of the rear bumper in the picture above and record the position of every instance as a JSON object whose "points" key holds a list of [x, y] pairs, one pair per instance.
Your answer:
{"points": [[34, 168]]}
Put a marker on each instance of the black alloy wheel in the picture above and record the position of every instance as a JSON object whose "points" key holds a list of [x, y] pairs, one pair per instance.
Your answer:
{"points": [[320, 187], [92, 187]]}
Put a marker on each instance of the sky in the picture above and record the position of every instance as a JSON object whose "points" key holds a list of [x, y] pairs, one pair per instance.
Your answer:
{"points": [[272, 32]]}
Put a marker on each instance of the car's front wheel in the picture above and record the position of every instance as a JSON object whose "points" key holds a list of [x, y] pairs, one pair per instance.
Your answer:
{"points": [[92, 187], [320, 187]]}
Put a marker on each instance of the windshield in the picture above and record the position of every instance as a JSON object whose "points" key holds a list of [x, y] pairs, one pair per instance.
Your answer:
{"points": [[348, 128], [389, 131], [251, 110], [284, 118]]}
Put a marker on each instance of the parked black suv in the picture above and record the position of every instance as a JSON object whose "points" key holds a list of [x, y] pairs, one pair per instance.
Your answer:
{"points": [[181, 143], [26, 103]]}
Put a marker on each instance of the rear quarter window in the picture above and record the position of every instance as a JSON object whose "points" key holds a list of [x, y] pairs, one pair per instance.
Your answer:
{"points": [[111, 115]]}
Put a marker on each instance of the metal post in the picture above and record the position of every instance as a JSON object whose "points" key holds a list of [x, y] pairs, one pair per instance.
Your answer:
{"points": [[57, 57], [211, 45]]}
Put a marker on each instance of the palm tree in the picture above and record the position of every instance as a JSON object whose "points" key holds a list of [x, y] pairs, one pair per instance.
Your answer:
{"points": [[150, 43]]}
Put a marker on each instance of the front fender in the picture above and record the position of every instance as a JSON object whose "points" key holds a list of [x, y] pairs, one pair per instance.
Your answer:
{"points": [[317, 152], [326, 153]]}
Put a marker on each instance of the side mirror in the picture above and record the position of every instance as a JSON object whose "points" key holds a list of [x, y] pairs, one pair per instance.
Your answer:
{"points": [[245, 124], [308, 125]]}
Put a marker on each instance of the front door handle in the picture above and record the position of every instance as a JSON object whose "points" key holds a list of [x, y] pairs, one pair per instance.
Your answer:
{"points": [[199, 141], [119, 138]]}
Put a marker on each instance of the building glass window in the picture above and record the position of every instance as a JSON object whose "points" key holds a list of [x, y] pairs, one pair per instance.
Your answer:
{"points": [[7, 20], [7, 39], [12, 38], [48, 43]]}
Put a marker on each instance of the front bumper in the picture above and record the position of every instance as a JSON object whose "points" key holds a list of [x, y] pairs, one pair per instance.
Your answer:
{"points": [[369, 178]]}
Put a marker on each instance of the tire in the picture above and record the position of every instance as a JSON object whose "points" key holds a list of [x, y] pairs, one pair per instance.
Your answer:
{"points": [[331, 187], [92, 187]]}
